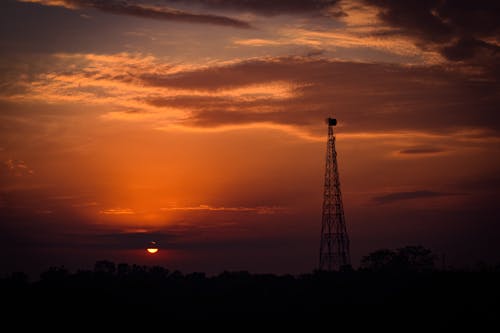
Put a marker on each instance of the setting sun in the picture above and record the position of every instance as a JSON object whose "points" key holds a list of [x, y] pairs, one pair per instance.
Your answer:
{"points": [[152, 250], [152, 247]]}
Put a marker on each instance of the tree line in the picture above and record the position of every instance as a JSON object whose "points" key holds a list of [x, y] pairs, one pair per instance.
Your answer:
{"points": [[402, 280]]}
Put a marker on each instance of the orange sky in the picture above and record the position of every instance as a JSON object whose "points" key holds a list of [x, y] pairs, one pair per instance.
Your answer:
{"points": [[200, 125]]}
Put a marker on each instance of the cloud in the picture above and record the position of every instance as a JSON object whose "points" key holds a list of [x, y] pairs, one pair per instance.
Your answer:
{"points": [[258, 42], [288, 129], [265, 7], [396, 46], [368, 95], [95, 239], [291, 94], [460, 30], [44, 211], [489, 183], [117, 211], [419, 150], [257, 210], [146, 11], [403, 196], [132, 239], [17, 168], [225, 76], [85, 204]]}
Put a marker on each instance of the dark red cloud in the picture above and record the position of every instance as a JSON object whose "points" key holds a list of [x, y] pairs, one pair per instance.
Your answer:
{"points": [[422, 150], [398, 196], [460, 30], [263, 7], [159, 13], [419, 98]]}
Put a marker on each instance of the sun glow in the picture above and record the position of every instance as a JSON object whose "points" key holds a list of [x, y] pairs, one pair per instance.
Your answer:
{"points": [[152, 247], [152, 250]]}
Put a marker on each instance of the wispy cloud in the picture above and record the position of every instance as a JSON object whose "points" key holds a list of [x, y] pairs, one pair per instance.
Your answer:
{"points": [[115, 239], [422, 150], [117, 211], [353, 38], [260, 42], [288, 129], [265, 7], [404, 196], [463, 32], [362, 34], [44, 211], [257, 209], [145, 11], [289, 94], [85, 204], [17, 168]]}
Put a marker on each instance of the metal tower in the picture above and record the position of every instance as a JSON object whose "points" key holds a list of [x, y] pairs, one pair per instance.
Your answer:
{"points": [[334, 248]]}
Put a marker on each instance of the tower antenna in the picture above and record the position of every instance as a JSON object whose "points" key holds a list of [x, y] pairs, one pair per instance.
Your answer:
{"points": [[334, 246]]}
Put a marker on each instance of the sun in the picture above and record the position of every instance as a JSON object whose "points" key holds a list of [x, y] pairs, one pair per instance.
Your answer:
{"points": [[152, 248]]}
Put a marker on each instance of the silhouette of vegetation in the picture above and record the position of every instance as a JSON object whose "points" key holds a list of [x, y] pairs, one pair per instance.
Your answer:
{"points": [[401, 282], [408, 258]]}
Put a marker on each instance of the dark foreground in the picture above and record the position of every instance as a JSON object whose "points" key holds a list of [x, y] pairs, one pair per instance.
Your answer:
{"points": [[444, 299]]}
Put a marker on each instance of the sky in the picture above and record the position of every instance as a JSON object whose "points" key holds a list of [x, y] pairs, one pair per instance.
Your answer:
{"points": [[199, 124]]}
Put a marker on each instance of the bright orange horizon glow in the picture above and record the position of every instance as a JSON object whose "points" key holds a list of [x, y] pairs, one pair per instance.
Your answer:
{"points": [[152, 250]]}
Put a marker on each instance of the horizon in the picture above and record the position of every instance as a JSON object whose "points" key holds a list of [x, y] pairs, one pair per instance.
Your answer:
{"points": [[198, 127]]}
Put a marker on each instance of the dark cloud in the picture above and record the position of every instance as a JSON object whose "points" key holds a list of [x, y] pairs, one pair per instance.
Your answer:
{"points": [[25, 227], [415, 17], [265, 7], [460, 30], [481, 184], [468, 48], [132, 240], [399, 196], [422, 150], [159, 13], [239, 74], [427, 99]]}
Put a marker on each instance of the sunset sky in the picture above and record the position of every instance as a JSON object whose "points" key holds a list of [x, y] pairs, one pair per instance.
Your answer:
{"points": [[199, 124]]}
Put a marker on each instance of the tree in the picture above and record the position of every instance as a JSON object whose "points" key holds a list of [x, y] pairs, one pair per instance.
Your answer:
{"points": [[379, 260], [408, 258], [104, 266], [54, 274], [415, 258]]}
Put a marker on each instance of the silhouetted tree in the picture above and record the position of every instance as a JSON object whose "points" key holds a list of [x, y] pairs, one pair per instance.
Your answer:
{"points": [[346, 268], [408, 258], [196, 276], [414, 258], [158, 272], [138, 269], [379, 260], [54, 274], [176, 275], [104, 266], [123, 269], [155, 293], [18, 279]]}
